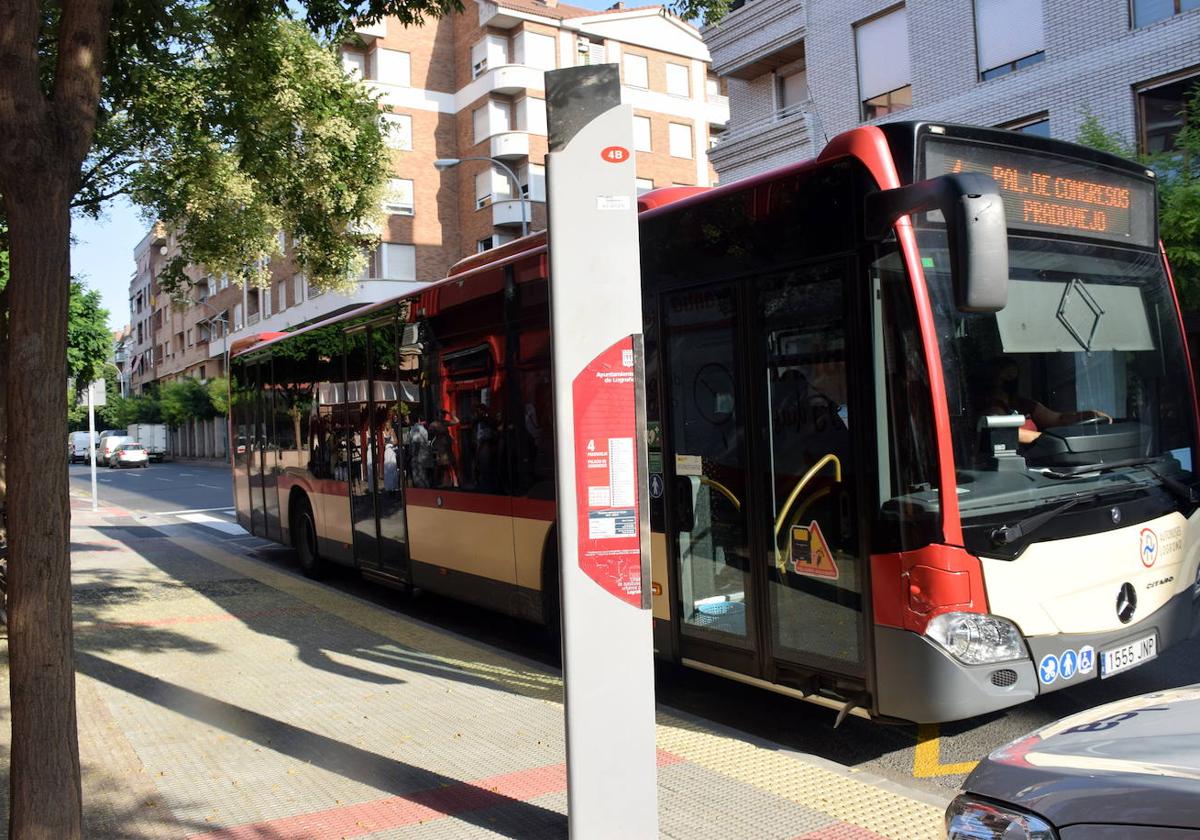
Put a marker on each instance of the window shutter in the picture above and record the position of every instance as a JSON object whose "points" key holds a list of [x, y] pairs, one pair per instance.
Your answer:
{"points": [[883, 63]]}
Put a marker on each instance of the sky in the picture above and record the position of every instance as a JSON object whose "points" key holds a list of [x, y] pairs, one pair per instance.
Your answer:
{"points": [[102, 255]]}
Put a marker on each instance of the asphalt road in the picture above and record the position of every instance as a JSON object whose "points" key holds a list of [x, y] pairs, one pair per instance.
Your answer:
{"points": [[932, 758]]}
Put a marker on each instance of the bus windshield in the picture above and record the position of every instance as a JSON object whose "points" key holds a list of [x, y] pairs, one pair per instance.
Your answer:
{"points": [[1077, 389]]}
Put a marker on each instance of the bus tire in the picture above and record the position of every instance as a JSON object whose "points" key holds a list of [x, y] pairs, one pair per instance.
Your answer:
{"points": [[304, 537]]}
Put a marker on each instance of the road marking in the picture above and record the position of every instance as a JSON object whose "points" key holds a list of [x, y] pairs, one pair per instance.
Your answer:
{"points": [[927, 757], [227, 509], [210, 486], [187, 475], [213, 522]]}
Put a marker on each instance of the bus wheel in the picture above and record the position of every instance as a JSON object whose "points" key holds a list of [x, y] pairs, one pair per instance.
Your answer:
{"points": [[304, 538]]}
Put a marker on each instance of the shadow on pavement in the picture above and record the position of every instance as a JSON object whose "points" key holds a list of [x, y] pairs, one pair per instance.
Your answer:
{"points": [[360, 765]]}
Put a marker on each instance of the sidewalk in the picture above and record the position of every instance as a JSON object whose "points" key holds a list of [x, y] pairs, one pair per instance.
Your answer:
{"points": [[220, 697]]}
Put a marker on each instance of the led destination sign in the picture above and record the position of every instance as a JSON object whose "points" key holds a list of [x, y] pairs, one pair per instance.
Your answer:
{"points": [[1045, 193]]}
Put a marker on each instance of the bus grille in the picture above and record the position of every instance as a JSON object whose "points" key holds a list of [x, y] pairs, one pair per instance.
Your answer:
{"points": [[1004, 678]]}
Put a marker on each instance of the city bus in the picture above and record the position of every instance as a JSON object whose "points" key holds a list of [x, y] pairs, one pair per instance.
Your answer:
{"points": [[873, 485]]}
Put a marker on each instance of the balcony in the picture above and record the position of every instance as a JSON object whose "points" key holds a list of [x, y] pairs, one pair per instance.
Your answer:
{"points": [[509, 145], [508, 212], [757, 38], [784, 137], [370, 33], [511, 79]]}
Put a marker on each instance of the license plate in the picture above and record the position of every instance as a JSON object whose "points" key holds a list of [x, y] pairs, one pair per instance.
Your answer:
{"points": [[1128, 655]]}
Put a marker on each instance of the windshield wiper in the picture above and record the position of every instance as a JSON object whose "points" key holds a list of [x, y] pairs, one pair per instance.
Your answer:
{"points": [[1105, 466], [1007, 534], [1188, 494], [1183, 491]]}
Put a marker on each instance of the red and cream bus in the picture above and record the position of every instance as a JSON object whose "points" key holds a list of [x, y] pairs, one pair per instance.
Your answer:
{"points": [[873, 484]]}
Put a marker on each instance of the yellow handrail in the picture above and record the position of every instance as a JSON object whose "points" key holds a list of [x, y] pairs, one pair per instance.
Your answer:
{"points": [[808, 476], [725, 491]]}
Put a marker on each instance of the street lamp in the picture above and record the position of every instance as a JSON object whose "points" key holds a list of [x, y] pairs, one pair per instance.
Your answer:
{"points": [[448, 163]]}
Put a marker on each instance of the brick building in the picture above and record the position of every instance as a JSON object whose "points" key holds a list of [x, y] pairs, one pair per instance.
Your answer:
{"points": [[467, 86], [801, 72]]}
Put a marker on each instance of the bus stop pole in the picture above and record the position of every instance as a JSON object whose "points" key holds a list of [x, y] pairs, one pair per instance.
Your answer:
{"points": [[603, 503], [92, 440]]}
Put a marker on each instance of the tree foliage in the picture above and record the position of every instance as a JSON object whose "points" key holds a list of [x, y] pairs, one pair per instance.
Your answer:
{"points": [[89, 343], [1178, 174]]}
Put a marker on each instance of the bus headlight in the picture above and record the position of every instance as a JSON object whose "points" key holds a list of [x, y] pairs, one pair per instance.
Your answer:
{"points": [[975, 638], [973, 819]]}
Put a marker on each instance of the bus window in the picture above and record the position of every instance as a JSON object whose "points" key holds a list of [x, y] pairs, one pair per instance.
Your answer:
{"points": [[466, 435], [908, 464], [412, 376]]}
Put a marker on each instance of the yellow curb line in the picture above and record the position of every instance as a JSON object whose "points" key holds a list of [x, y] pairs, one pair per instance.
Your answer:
{"points": [[927, 757]]}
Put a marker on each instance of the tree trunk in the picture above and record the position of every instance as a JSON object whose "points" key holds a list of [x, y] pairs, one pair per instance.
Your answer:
{"points": [[43, 141], [44, 762]]}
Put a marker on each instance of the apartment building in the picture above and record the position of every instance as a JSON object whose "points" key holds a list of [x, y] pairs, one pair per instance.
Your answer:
{"points": [[469, 87], [801, 71], [149, 257]]}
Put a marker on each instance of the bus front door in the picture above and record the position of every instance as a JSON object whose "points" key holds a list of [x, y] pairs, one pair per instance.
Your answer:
{"points": [[760, 516]]}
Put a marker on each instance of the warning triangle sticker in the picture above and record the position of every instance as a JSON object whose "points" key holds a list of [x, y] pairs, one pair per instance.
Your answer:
{"points": [[810, 552]]}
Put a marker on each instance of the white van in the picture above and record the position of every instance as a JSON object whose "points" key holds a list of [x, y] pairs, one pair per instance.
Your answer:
{"points": [[77, 446], [109, 441]]}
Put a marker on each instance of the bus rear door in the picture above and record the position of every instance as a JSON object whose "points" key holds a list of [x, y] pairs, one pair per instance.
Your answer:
{"points": [[371, 424]]}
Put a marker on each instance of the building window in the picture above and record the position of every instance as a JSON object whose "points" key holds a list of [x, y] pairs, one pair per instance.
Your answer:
{"points": [[679, 80], [1037, 124], [712, 88], [644, 185], [484, 244], [590, 52], [637, 70], [1160, 111], [397, 131], [189, 338], [1008, 36], [679, 140], [238, 323], [399, 197], [641, 134], [297, 289], [530, 115], [355, 64], [535, 50], [1146, 12], [392, 261], [392, 67], [491, 185], [533, 181], [884, 73], [791, 91], [492, 51], [492, 118]]}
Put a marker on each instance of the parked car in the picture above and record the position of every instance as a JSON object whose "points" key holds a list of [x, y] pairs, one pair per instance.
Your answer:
{"points": [[77, 446], [109, 441], [1128, 770], [129, 455]]}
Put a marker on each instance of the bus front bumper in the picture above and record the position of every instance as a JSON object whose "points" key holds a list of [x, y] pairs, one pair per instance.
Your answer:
{"points": [[917, 680]]}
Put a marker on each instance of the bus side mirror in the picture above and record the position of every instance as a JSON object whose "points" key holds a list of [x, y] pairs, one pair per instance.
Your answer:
{"points": [[970, 203]]}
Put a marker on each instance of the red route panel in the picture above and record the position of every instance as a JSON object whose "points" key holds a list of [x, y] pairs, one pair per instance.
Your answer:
{"points": [[606, 477]]}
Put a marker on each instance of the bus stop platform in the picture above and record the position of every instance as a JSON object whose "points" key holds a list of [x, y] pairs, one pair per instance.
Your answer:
{"points": [[226, 698]]}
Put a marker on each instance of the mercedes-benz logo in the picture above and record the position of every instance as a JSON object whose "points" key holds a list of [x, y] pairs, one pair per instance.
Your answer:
{"points": [[1126, 602], [1115, 513]]}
